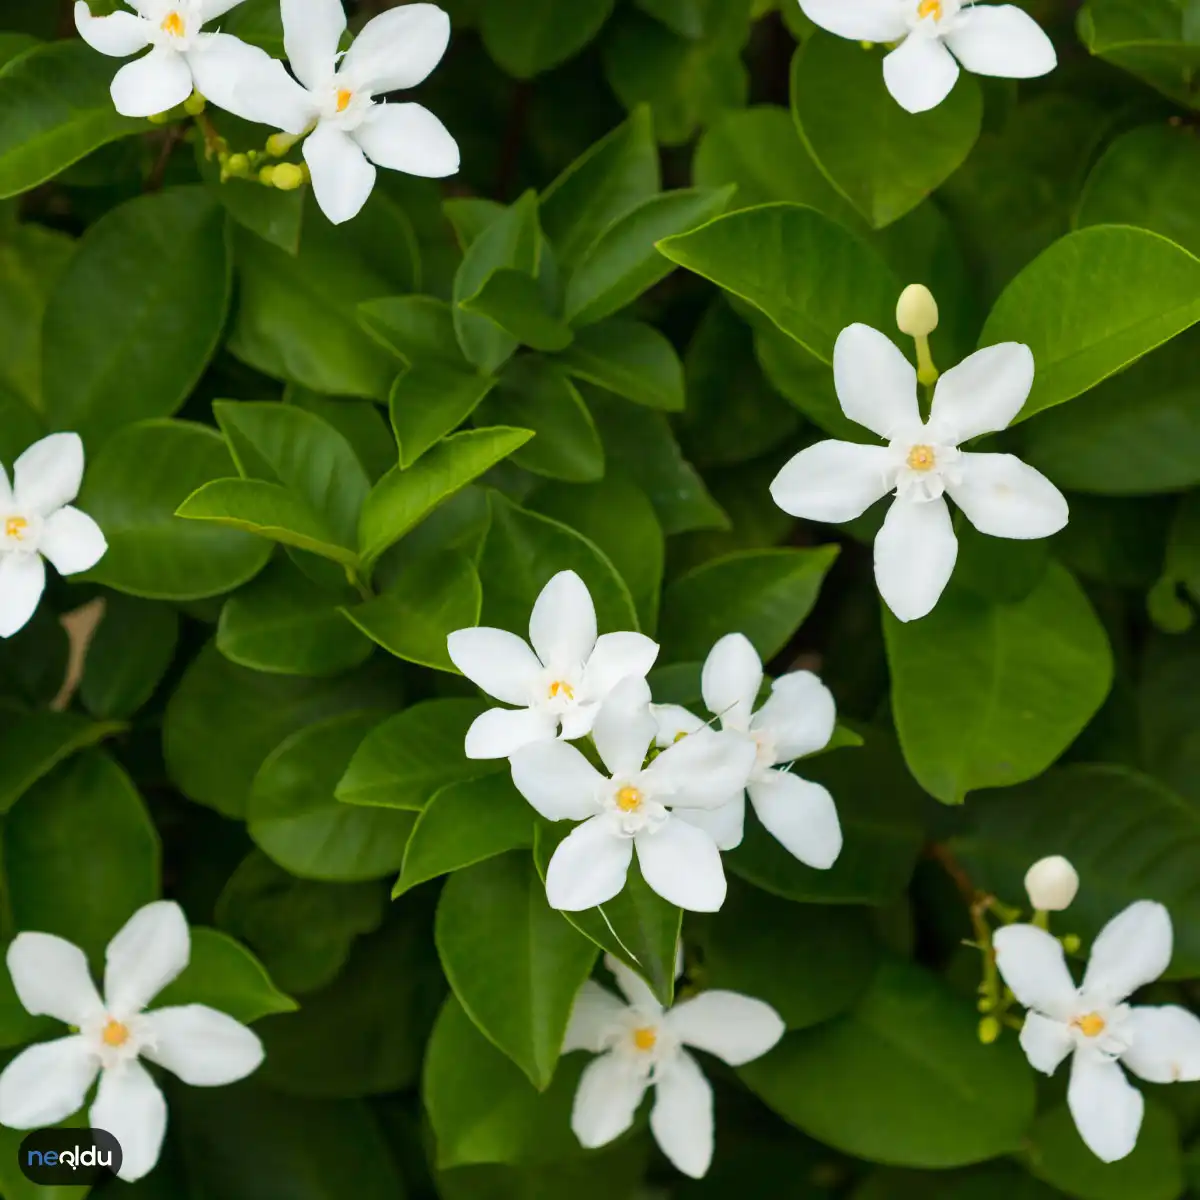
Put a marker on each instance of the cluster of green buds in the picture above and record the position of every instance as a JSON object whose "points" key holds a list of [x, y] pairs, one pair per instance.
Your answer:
{"points": [[261, 165]]}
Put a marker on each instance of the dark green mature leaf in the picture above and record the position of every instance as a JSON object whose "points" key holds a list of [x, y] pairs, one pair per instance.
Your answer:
{"points": [[902, 1078], [54, 109], [430, 400], [414, 328], [989, 694], [129, 654], [514, 301], [997, 1181], [536, 35], [630, 359], [33, 744]]}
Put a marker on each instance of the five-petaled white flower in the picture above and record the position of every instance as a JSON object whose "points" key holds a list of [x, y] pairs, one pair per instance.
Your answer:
{"points": [[632, 806], [351, 133], [797, 719], [987, 39], [1000, 495], [48, 1082], [564, 682], [1160, 1043], [642, 1046], [182, 57], [37, 521]]}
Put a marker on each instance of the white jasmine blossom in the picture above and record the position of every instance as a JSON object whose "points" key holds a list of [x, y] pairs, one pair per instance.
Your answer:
{"points": [[351, 134], [633, 806], [49, 1081], [642, 1046], [1160, 1043], [986, 39], [1000, 495], [37, 522], [1051, 884], [797, 719], [561, 681]]}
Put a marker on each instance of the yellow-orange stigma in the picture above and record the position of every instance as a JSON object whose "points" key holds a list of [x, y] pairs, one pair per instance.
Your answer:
{"points": [[14, 527], [645, 1038], [1090, 1025], [343, 99], [114, 1034], [559, 686], [930, 8], [629, 799], [173, 24], [921, 458]]}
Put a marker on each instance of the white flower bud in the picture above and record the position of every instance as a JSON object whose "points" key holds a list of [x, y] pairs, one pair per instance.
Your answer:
{"points": [[917, 311], [1051, 884]]}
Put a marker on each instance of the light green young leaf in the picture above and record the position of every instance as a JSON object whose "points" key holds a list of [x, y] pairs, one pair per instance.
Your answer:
{"points": [[430, 400]]}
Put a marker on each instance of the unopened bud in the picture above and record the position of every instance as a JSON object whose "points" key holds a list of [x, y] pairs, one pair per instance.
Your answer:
{"points": [[917, 311], [1051, 884], [989, 1030], [278, 144], [159, 118], [194, 104], [237, 164], [288, 177], [267, 175], [1071, 943]]}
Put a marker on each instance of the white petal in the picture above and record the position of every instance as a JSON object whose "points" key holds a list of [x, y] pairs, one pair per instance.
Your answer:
{"points": [[920, 73], [1004, 497], [408, 138], [248, 82], [118, 35], [1033, 965], [149, 951], [1107, 1108], [1133, 949], [577, 721], [726, 824], [915, 552], [342, 178], [152, 84], [204, 1047], [983, 393], [501, 732], [596, 1013], [674, 722], [211, 9], [625, 727], [833, 481], [1000, 39], [557, 780], [129, 1105], [730, 680], [736, 1028], [22, 581], [633, 987], [47, 1083], [799, 715], [683, 865], [49, 473], [1046, 1042], [497, 661], [876, 385], [617, 655], [610, 1090], [311, 32], [859, 20], [72, 541], [1166, 1044], [704, 769], [396, 49], [801, 816], [682, 1117], [52, 979], [589, 866], [562, 625]]}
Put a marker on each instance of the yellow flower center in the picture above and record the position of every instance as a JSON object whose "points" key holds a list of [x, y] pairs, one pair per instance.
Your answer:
{"points": [[173, 24], [930, 8], [343, 102], [645, 1038], [629, 799], [921, 458], [14, 527], [559, 686], [114, 1033], [1091, 1025]]}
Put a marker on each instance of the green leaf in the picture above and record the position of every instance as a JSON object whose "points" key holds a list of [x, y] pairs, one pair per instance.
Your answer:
{"points": [[416, 329], [513, 300], [430, 400], [623, 263], [360, 422], [129, 655], [133, 488], [403, 498], [54, 109], [884, 160], [80, 853], [137, 314], [465, 823], [405, 760], [766, 594], [529, 39], [224, 975], [902, 1078], [294, 816], [1093, 303], [33, 744], [433, 595], [630, 359], [990, 694], [998, 1181]]}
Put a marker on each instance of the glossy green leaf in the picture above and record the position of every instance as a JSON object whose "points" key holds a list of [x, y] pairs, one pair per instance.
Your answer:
{"points": [[129, 654], [630, 359], [540, 34], [416, 329], [33, 744], [513, 300], [430, 400]]}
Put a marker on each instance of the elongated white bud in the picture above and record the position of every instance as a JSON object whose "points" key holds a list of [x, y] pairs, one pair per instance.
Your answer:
{"points": [[1051, 884], [917, 311]]}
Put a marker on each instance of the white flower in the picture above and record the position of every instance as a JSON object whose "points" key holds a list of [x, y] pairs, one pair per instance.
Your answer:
{"points": [[48, 1082], [642, 1046], [1160, 1044], [563, 683], [631, 807], [1051, 884], [988, 39], [37, 521], [181, 56], [797, 719], [916, 548], [396, 49]]}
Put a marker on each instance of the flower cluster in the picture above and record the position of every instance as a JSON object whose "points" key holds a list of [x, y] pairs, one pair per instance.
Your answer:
{"points": [[664, 784], [329, 100]]}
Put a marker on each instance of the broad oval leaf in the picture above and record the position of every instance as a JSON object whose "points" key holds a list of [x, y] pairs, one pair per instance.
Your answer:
{"points": [[540, 34], [514, 301], [130, 653], [629, 359], [33, 744]]}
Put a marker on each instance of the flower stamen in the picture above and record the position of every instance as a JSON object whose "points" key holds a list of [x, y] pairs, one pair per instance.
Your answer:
{"points": [[629, 799], [930, 8], [645, 1038], [560, 685], [173, 25], [1091, 1025], [114, 1033], [343, 101], [14, 527], [921, 458]]}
